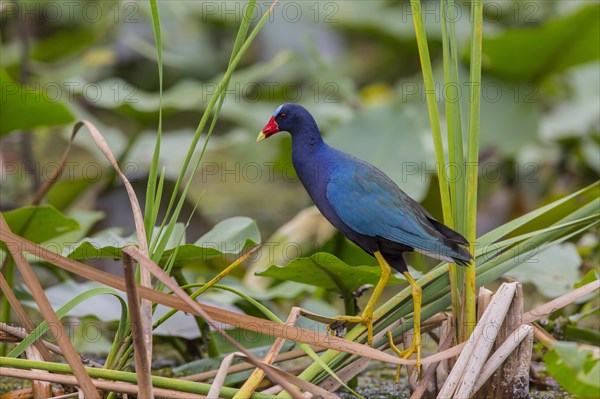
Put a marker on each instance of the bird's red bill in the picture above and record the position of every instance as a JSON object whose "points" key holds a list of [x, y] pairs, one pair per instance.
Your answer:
{"points": [[270, 128]]}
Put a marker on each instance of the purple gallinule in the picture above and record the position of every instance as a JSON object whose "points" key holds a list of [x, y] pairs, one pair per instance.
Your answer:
{"points": [[368, 208]]}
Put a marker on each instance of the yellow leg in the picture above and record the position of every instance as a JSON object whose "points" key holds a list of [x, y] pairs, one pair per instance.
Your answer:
{"points": [[416, 344], [366, 317]]}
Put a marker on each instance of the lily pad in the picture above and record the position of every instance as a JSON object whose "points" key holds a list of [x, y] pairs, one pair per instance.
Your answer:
{"points": [[39, 223], [327, 271], [23, 108], [106, 244], [537, 49], [554, 271], [230, 236]]}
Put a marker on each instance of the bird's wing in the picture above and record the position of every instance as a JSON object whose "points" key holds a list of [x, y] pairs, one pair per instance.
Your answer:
{"points": [[370, 203]]}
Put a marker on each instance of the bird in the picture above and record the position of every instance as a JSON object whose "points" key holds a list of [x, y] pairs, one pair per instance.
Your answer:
{"points": [[367, 207]]}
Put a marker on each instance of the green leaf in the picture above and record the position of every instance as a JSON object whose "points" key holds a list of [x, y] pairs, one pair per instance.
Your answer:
{"points": [[151, 207], [106, 244], [228, 237], [39, 223], [64, 192], [326, 271], [580, 334], [553, 272], [576, 318], [62, 44], [539, 54], [231, 236], [23, 108], [86, 220], [575, 368], [592, 275], [190, 254]]}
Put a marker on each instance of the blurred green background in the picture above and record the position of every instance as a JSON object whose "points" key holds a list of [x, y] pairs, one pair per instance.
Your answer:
{"points": [[353, 64]]}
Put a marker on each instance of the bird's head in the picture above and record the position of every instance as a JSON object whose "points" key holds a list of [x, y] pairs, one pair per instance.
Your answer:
{"points": [[287, 118]]}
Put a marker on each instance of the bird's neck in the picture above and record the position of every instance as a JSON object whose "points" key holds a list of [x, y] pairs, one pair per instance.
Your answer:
{"points": [[311, 161], [307, 140]]}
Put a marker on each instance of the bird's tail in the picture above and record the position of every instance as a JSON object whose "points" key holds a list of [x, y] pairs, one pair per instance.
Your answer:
{"points": [[465, 256], [454, 243]]}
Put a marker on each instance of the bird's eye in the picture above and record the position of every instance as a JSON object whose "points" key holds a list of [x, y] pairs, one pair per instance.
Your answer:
{"points": [[282, 116]]}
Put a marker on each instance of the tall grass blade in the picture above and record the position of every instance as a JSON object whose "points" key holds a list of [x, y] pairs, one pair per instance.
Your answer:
{"points": [[579, 197], [221, 89], [456, 161], [64, 310], [434, 116], [239, 41], [152, 206], [473, 162], [452, 94]]}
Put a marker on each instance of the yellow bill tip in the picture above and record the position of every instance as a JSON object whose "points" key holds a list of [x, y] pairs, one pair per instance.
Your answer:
{"points": [[261, 137]]}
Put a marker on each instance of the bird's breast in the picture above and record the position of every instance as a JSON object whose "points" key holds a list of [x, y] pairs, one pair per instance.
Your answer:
{"points": [[315, 175]]}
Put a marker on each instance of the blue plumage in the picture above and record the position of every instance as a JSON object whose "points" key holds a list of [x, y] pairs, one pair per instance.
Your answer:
{"points": [[360, 200]]}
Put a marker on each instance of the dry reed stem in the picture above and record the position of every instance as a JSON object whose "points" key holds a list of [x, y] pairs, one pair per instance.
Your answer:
{"points": [[250, 323], [50, 316], [140, 229], [502, 301], [444, 366], [109, 386], [19, 334], [506, 349], [257, 375], [41, 389], [356, 367], [483, 300], [498, 310], [265, 326], [142, 362], [293, 354], [543, 336], [275, 374], [240, 320], [219, 380], [310, 388], [27, 324], [512, 378]]}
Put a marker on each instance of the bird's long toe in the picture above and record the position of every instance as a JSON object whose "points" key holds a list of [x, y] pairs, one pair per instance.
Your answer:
{"points": [[406, 353], [364, 319]]}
